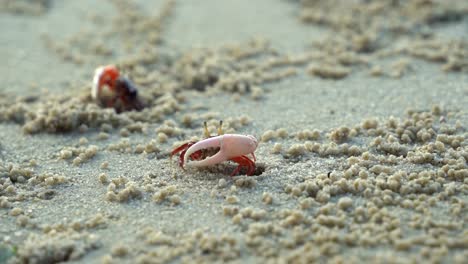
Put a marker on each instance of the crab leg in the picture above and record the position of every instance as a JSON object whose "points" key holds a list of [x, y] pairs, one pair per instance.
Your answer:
{"points": [[243, 161], [254, 158], [179, 149], [182, 148], [251, 165]]}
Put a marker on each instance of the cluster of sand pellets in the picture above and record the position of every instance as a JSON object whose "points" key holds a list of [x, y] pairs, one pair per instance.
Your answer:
{"points": [[71, 112], [25, 7], [21, 183], [121, 189], [126, 31], [56, 246], [337, 58], [235, 68], [375, 31], [453, 54], [370, 19]]}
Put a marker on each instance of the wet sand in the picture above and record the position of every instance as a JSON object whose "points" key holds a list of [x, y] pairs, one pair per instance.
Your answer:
{"points": [[362, 128]]}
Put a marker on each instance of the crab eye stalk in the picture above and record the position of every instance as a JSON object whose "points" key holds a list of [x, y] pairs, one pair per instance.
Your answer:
{"points": [[220, 128]]}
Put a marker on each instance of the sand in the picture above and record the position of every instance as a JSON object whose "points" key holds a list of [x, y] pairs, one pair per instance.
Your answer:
{"points": [[362, 128]]}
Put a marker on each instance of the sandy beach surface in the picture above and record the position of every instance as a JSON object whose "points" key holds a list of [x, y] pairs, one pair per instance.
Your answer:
{"points": [[360, 109]]}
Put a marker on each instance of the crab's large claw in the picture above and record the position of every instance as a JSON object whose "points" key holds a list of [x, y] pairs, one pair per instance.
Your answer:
{"points": [[230, 146], [213, 142]]}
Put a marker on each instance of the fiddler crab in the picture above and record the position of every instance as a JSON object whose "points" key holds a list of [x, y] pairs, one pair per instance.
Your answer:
{"points": [[110, 89], [216, 149]]}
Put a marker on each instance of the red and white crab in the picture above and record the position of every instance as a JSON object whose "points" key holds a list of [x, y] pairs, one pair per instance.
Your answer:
{"points": [[217, 149], [110, 89]]}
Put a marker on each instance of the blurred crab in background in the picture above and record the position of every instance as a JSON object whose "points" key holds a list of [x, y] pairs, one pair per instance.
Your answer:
{"points": [[110, 89], [216, 149]]}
